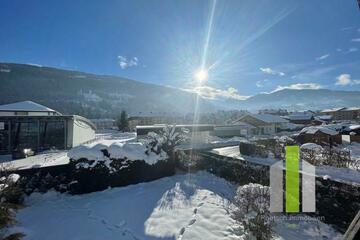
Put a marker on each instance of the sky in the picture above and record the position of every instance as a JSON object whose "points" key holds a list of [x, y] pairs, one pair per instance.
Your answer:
{"points": [[246, 47]]}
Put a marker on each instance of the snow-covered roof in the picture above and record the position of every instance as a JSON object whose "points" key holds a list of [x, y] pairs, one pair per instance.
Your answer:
{"points": [[28, 106], [324, 117], [315, 129], [354, 127], [341, 109], [311, 146], [268, 118]]}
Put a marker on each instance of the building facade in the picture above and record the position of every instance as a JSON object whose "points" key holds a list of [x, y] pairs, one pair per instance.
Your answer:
{"points": [[40, 132], [264, 124], [351, 113]]}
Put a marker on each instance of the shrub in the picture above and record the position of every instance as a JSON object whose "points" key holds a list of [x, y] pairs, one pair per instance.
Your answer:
{"points": [[253, 202], [252, 149], [167, 139]]}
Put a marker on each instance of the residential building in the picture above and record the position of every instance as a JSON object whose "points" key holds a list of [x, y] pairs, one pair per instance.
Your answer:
{"points": [[42, 132], [343, 113], [264, 124], [239, 129], [320, 135], [279, 112], [304, 118], [351, 133]]}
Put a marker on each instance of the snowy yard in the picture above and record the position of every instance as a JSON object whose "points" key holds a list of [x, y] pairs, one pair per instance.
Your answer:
{"points": [[190, 206], [61, 157]]}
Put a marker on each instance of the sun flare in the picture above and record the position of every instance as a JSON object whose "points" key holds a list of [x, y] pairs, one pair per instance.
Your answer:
{"points": [[201, 75]]}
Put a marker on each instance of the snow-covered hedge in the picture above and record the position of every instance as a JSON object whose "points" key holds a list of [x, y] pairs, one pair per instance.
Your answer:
{"points": [[253, 204], [94, 168], [89, 157], [335, 157]]}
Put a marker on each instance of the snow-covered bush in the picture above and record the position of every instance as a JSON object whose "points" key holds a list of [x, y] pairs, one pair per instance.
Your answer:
{"points": [[10, 192], [312, 153], [253, 204], [11, 196], [167, 139], [94, 168], [335, 157], [253, 149]]}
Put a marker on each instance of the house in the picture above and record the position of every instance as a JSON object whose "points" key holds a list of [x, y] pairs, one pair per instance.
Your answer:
{"points": [[240, 129], [320, 135], [322, 119], [40, 129], [151, 118], [264, 124], [343, 113], [26, 108], [351, 133], [200, 133], [279, 112], [305, 118]]}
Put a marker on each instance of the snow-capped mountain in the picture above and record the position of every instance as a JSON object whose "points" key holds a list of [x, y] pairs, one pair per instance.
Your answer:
{"points": [[91, 95]]}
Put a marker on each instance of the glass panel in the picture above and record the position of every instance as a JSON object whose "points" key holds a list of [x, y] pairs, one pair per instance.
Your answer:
{"points": [[24, 135], [52, 135], [4, 137]]}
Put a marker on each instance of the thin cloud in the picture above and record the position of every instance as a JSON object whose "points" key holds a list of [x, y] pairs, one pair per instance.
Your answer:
{"points": [[353, 50], [345, 80], [214, 93], [299, 86], [325, 56], [272, 71], [261, 83], [125, 62], [355, 40]]}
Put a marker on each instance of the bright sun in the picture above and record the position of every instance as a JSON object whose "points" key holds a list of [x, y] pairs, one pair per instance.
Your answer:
{"points": [[201, 75]]}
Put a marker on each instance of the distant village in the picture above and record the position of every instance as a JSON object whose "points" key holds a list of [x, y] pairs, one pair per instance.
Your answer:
{"points": [[35, 128], [324, 127]]}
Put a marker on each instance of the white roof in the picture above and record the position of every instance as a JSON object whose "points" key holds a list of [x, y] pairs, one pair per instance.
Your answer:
{"points": [[354, 127], [341, 109], [268, 118], [315, 129], [28, 106]]}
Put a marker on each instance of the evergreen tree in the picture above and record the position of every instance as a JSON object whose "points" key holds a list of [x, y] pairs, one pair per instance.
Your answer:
{"points": [[123, 122]]}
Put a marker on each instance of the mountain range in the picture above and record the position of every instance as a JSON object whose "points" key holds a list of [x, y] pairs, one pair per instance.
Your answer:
{"points": [[95, 96]]}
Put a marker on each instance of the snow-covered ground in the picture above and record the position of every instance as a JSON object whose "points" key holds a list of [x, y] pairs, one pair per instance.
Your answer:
{"points": [[45, 159], [190, 206]]}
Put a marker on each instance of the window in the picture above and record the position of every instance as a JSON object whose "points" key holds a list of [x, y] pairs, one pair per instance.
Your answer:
{"points": [[24, 135], [52, 134]]}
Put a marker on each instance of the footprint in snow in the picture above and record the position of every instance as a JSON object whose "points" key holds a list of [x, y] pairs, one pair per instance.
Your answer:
{"points": [[181, 233], [182, 230], [200, 204], [192, 221], [195, 210]]}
